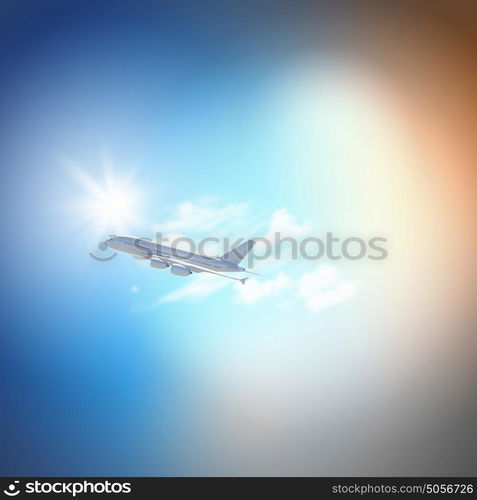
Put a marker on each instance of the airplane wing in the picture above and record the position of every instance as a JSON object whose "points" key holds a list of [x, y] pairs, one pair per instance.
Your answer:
{"points": [[202, 268]]}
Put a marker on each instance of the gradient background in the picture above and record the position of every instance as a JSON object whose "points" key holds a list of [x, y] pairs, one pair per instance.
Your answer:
{"points": [[358, 117]]}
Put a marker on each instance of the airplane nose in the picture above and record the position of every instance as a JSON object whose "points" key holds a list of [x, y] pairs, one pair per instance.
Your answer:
{"points": [[107, 242]]}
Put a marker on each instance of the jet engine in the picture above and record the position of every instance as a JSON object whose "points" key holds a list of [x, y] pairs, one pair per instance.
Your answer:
{"points": [[158, 263], [180, 270]]}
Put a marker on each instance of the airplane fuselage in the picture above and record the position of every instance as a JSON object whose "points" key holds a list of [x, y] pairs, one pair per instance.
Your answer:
{"points": [[171, 256]]}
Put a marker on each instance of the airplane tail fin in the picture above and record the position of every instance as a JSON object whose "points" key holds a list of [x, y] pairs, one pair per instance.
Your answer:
{"points": [[243, 280], [239, 252]]}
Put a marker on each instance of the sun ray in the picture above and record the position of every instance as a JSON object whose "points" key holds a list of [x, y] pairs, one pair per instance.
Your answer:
{"points": [[109, 206]]}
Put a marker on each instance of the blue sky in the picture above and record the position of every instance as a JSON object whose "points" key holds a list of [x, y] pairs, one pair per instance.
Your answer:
{"points": [[232, 121], [113, 360]]}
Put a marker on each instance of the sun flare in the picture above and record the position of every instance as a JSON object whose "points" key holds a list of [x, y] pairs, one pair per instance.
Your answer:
{"points": [[110, 204]]}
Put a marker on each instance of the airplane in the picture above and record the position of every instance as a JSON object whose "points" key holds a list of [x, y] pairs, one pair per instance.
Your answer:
{"points": [[182, 263]]}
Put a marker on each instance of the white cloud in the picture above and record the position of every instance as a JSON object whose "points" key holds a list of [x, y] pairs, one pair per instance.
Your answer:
{"points": [[207, 217], [193, 218], [255, 290], [321, 288], [287, 225], [200, 286], [318, 289], [323, 276]]}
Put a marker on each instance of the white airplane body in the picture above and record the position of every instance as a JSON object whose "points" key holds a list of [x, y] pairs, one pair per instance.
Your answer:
{"points": [[181, 262]]}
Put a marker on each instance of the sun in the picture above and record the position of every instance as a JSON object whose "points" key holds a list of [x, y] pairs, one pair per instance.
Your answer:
{"points": [[112, 208], [109, 204]]}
